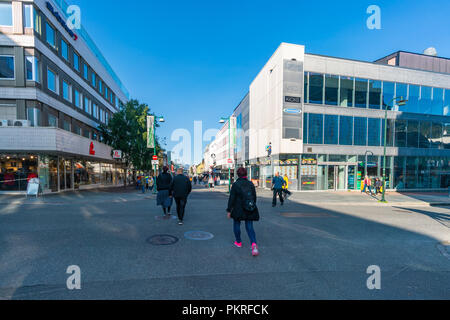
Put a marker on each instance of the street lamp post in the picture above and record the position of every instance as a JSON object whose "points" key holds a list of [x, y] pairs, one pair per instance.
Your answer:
{"points": [[156, 119], [401, 102], [223, 120]]}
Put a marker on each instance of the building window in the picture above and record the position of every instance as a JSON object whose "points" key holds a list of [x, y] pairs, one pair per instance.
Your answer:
{"points": [[67, 91], [32, 68], [346, 92], [85, 71], [425, 100], [400, 133], [37, 22], [374, 127], [390, 132], [401, 91], [76, 130], [86, 133], [346, 130], [331, 89], [374, 94], [413, 100], [315, 128], [87, 105], [50, 34], [52, 121], [360, 131], [95, 110], [93, 79], [388, 95], [446, 109], [6, 15], [52, 81], [331, 129], [66, 125], [437, 103], [361, 86], [413, 134], [106, 92], [28, 15], [34, 116], [77, 99], [100, 88], [316, 88], [64, 50], [76, 61], [7, 70], [425, 134]]}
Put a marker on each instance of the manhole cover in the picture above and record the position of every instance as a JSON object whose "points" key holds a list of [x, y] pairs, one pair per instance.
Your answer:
{"points": [[171, 217], [306, 215], [198, 235], [162, 240]]}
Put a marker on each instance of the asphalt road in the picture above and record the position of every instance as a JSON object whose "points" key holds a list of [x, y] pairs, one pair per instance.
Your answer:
{"points": [[307, 252]]}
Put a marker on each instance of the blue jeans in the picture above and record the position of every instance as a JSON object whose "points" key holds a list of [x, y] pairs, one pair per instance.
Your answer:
{"points": [[248, 227]]}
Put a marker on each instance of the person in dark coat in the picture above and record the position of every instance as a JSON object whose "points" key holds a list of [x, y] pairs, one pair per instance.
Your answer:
{"points": [[180, 188], [163, 187], [241, 192]]}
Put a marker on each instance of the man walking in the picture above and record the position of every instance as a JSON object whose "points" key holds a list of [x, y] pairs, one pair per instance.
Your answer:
{"points": [[180, 189], [277, 187]]}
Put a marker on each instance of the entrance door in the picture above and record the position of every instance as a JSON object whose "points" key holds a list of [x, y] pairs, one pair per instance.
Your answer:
{"points": [[337, 177]]}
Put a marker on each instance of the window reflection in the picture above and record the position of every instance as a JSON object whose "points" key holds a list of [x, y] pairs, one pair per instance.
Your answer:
{"points": [[346, 92], [361, 93], [374, 94]]}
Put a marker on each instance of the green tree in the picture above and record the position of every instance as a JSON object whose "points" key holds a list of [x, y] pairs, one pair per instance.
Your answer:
{"points": [[127, 131]]}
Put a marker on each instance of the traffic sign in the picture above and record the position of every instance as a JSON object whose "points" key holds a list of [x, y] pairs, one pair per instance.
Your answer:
{"points": [[155, 157], [155, 162], [230, 161]]}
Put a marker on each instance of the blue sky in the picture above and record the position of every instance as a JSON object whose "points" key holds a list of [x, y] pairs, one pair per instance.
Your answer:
{"points": [[194, 60]]}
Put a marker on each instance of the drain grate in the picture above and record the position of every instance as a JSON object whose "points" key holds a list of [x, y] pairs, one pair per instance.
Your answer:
{"points": [[198, 235], [162, 240], [306, 215]]}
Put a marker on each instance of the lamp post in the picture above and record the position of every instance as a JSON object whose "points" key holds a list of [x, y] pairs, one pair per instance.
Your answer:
{"points": [[401, 102], [222, 121], [156, 119]]}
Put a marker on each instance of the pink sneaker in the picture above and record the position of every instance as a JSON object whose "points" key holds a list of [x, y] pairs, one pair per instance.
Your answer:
{"points": [[255, 251], [238, 244]]}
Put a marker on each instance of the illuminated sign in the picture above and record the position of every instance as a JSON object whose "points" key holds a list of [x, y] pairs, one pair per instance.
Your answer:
{"points": [[61, 21], [292, 110], [91, 149]]}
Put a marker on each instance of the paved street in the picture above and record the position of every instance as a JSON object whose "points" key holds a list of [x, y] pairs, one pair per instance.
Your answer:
{"points": [[314, 247]]}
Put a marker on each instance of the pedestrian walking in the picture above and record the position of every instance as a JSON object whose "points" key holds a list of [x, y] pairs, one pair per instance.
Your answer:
{"points": [[163, 183], [180, 188], [211, 181], [151, 183], [367, 184], [286, 192], [277, 187], [242, 207]]}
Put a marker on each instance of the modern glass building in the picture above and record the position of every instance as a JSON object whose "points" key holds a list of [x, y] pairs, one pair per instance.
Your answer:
{"points": [[56, 88], [324, 118]]}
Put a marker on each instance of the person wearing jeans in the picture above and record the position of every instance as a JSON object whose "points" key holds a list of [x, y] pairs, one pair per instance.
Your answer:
{"points": [[242, 207], [180, 189], [277, 186]]}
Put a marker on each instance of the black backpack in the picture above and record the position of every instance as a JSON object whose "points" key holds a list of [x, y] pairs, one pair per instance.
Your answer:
{"points": [[247, 194]]}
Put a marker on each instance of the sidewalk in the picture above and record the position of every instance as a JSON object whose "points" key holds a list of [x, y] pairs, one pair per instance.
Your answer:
{"points": [[115, 194], [350, 198]]}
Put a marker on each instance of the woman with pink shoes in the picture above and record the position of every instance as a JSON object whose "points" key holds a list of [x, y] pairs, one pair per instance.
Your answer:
{"points": [[242, 207]]}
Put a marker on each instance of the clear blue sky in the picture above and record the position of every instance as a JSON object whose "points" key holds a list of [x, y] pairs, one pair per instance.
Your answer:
{"points": [[194, 60]]}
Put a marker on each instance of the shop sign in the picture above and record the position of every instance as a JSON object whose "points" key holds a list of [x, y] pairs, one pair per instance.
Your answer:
{"points": [[91, 149], [310, 161], [117, 154], [290, 99]]}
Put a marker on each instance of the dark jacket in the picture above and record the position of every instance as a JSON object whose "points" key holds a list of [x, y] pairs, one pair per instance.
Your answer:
{"points": [[163, 181], [236, 201], [181, 186]]}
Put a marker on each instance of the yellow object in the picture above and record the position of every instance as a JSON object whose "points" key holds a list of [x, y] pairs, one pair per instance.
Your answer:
{"points": [[286, 186]]}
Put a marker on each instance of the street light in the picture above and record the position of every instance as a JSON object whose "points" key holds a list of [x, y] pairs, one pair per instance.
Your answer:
{"points": [[400, 102], [156, 119], [222, 121]]}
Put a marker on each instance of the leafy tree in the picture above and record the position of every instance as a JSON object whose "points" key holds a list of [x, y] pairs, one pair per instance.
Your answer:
{"points": [[127, 131]]}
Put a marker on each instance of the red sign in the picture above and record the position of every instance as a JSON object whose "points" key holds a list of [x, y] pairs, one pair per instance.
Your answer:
{"points": [[91, 149], [155, 158], [230, 161]]}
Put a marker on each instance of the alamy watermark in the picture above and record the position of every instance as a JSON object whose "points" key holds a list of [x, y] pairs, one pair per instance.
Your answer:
{"points": [[374, 20], [74, 280], [374, 281]]}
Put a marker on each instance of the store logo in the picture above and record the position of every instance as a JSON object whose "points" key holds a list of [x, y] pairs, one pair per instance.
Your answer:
{"points": [[290, 99], [91, 149], [292, 111], [62, 22]]}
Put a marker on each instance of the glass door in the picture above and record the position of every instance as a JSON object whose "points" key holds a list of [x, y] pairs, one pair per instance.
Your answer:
{"points": [[331, 178], [340, 177]]}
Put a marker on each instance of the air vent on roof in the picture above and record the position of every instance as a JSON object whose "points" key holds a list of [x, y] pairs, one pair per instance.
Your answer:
{"points": [[430, 52]]}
